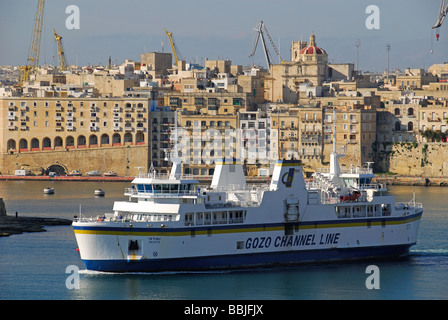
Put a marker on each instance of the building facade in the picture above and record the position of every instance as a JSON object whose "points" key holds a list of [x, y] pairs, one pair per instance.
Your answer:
{"points": [[37, 130]]}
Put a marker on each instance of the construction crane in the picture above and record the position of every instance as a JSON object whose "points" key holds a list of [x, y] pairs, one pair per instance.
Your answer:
{"points": [[62, 61], [173, 47], [260, 34], [442, 14], [32, 62]]}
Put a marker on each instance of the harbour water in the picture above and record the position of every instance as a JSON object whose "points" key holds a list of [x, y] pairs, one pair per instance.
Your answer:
{"points": [[34, 265]]}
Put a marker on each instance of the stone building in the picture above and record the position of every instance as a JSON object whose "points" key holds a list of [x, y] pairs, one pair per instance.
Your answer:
{"points": [[205, 116], [61, 130], [304, 73]]}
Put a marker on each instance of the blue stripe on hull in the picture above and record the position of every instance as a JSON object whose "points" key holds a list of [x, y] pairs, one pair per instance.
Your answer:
{"points": [[246, 260]]}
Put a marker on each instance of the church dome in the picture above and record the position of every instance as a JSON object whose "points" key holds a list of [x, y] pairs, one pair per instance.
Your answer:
{"points": [[312, 48]]}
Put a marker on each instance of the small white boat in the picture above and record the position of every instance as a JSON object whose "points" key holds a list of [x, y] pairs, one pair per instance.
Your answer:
{"points": [[99, 192], [48, 191]]}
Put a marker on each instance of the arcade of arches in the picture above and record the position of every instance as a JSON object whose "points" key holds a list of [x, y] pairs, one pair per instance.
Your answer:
{"points": [[71, 142]]}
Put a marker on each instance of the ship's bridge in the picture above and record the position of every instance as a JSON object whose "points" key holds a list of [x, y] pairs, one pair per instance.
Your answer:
{"points": [[162, 185]]}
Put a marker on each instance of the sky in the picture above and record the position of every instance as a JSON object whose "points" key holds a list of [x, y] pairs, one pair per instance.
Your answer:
{"points": [[217, 29]]}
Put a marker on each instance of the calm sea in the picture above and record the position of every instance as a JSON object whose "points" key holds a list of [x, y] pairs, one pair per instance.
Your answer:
{"points": [[33, 265]]}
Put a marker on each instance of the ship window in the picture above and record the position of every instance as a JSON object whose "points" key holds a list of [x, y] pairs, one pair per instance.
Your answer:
{"points": [[157, 188], [141, 188], [174, 188], [165, 188], [148, 188]]}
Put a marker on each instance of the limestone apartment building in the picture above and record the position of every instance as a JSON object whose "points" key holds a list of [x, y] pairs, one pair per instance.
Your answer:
{"points": [[62, 134]]}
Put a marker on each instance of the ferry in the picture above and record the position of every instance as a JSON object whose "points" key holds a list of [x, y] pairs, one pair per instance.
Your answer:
{"points": [[170, 223]]}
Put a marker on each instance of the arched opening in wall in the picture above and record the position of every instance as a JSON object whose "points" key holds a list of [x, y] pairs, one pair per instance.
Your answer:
{"points": [[11, 145], [93, 141], [139, 138], [410, 126], [116, 139], [23, 145], [59, 169], [46, 144], [397, 126], [82, 141], [105, 139], [397, 111], [58, 143], [35, 144], [69, 142], [128, 137]]}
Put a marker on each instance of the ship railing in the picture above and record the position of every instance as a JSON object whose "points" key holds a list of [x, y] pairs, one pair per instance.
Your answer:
{"points": [[98, 218], [356, 170], [372, 186], [166, 193], [231, 187], [164, 176]]}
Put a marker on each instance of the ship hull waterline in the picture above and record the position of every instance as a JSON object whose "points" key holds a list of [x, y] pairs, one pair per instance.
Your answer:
{"points": [[206, 248], [248, 261]]}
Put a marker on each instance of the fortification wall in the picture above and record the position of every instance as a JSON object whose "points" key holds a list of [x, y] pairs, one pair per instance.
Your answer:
{"points": [[414, 159], [123, 160]]}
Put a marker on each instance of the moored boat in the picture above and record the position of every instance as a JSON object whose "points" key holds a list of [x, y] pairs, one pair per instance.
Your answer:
{"points": [[48, 190], [100, 193]]}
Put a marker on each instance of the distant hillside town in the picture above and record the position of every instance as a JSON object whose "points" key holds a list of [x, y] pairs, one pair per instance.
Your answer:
{"points": [[126, 117]]}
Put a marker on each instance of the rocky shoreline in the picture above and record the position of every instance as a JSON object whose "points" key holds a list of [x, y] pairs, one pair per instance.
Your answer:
{"points": [[16, 225]]}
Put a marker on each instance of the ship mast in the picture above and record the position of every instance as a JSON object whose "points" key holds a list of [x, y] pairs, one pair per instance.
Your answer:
{"points": [[176, 170], [335, 170]]}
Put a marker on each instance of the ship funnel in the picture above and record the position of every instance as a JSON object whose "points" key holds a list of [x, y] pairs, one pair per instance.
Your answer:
{"points": [[287, 175], [228, 172]]}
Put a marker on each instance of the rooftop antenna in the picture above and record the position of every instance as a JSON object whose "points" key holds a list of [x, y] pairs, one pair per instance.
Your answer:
{"points": [[388, 53], [358, 44]]}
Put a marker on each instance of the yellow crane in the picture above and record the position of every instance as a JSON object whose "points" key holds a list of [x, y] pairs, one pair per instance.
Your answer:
{"points": [[33, 59], [62, 61], [173, 47]]}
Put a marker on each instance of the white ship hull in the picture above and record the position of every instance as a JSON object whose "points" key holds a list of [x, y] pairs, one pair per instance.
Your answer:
{"points": [[105, 246]]}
